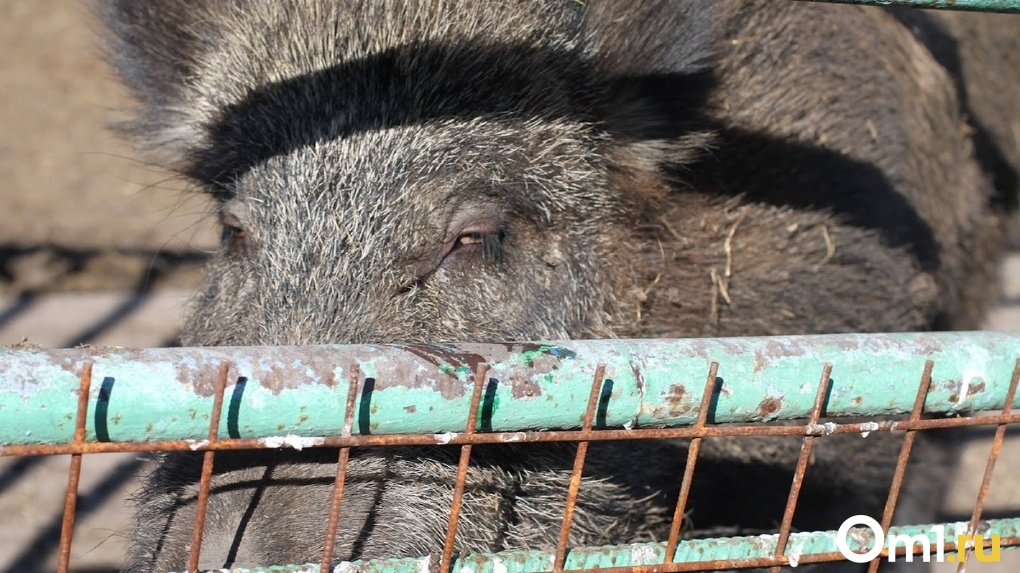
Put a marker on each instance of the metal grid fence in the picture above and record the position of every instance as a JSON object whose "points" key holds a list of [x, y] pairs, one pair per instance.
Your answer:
{"points": [[628, 389]]}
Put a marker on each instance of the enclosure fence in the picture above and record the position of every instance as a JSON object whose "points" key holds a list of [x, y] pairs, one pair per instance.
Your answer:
{"points": [[87, 400]]}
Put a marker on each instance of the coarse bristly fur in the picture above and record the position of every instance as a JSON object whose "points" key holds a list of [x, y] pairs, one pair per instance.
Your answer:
{"points": [[439, 171]]}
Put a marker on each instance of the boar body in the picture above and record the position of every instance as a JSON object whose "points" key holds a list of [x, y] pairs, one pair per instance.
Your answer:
{"points": [[456, 171]]}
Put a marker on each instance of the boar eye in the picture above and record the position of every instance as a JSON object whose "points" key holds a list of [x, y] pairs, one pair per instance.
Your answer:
{"points": [[488, 245], [234, 234]]}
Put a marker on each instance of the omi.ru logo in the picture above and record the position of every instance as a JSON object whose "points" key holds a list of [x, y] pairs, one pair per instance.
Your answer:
{"points": [[912, 543]]}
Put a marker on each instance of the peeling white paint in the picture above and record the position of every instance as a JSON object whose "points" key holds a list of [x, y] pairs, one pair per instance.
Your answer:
{"points": [[497, 566], [795, 551], [344, 567], [292, 441], [196, 444], [512, 437], [642, 555], [825, 429], [961, 396], [444, 438], [867, 428]]}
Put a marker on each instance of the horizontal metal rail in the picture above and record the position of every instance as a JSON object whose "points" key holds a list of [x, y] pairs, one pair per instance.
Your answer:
{"points": [[462, 438], [692, 555], [295, 396], [1007, 6]]}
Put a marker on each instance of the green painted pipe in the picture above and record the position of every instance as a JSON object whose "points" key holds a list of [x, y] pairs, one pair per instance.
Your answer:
{"points": [[801, 545], [284, 393], [1008, 6]]}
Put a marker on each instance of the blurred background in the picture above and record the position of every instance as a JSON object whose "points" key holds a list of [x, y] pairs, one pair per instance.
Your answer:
{"points": [[97, 247]]}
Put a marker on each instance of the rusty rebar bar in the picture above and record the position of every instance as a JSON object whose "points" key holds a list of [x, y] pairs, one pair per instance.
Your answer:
{"points": [[901, 462], [329, 543], [480, 375], [687, 432], [207, 468], [993, 456], [802, 463], [74, 473], [692, 459], [575, 474]]}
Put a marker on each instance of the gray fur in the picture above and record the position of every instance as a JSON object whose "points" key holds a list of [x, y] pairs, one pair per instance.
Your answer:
{"points": [[460, 171]]}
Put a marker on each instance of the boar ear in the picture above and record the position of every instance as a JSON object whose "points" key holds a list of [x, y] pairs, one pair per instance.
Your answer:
{"points": [[656, 61], [154, 46]]}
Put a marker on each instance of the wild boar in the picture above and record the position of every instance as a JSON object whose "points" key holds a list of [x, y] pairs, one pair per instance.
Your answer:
{"points": [[440, 171]]}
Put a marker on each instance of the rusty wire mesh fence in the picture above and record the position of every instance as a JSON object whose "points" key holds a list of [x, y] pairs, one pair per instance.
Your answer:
{"points": [[359, 396]]}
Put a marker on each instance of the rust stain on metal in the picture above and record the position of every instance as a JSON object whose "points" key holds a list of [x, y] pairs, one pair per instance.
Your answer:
{"points": [[493, 352], [544, 363], [68, 364], [188, 376], [848, 344], [769, 406], [675, 401], [975, 388], [763, 358], [927, 347], [453, 356], [274, 381], [289, 368], [639, 377], [760, 362], [444, 360], [448, 385], [522, 385], [779, 350], [203, 381], [956, 385]]}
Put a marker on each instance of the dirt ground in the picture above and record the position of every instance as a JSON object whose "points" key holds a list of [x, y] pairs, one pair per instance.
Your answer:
{"points": [[99, 247], [79, 211]]}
